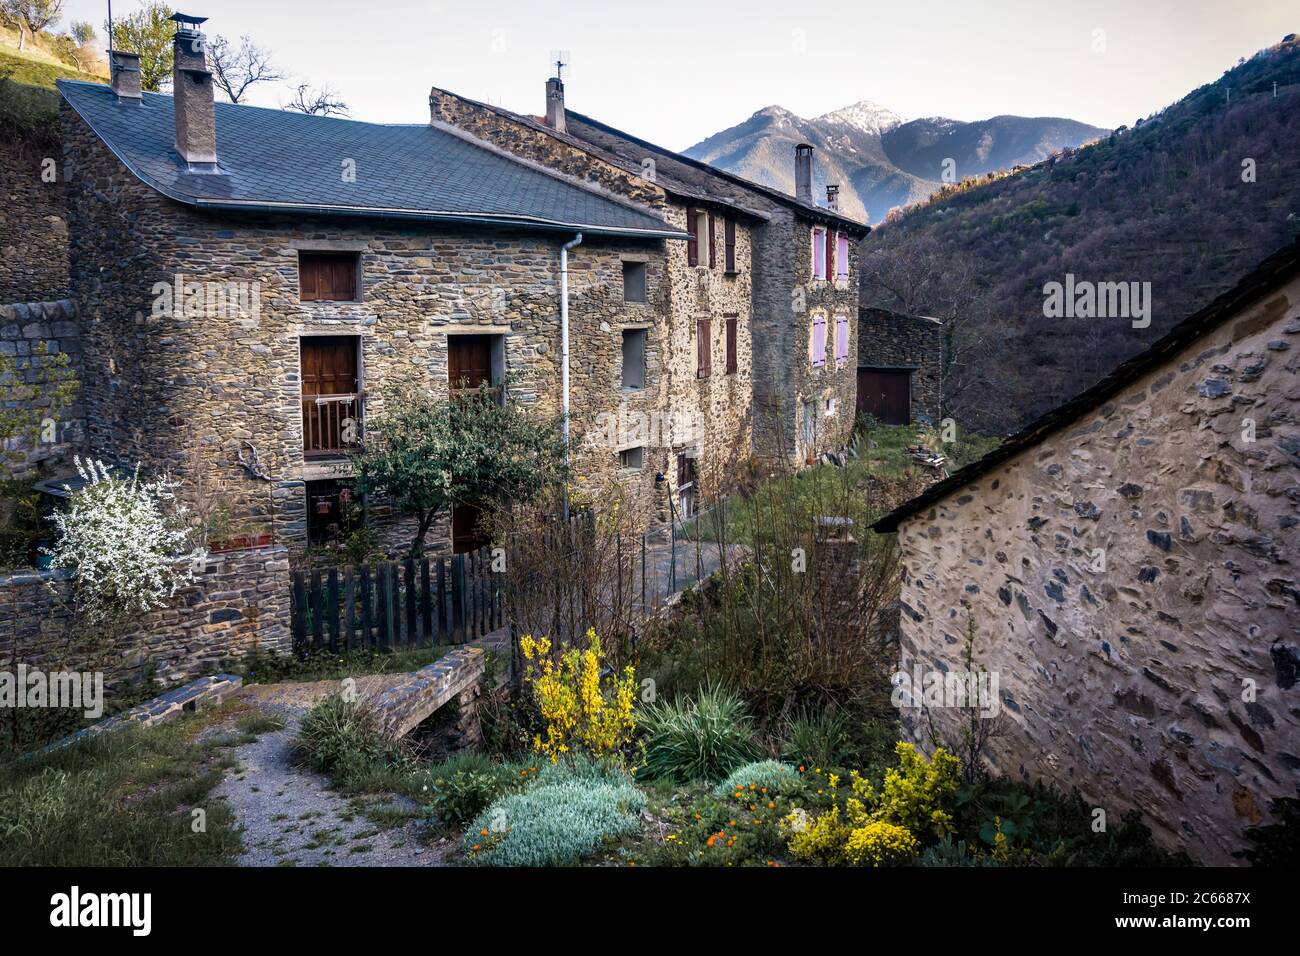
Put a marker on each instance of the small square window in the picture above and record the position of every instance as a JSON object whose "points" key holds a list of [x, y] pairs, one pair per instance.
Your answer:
{"points": [[631, 459], [634, 358], [328, 276], [634, 282]]}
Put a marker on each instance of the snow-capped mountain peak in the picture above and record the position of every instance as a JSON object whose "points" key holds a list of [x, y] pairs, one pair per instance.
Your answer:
{"points": [[865, 115]]}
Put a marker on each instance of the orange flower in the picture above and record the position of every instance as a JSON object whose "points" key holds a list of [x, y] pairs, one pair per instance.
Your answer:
{"points": [[771, 806], [483, 832]]}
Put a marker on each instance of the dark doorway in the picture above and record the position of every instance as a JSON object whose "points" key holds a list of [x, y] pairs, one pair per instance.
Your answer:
{"points": [[886, 394], [331, 512], [466, 531]]}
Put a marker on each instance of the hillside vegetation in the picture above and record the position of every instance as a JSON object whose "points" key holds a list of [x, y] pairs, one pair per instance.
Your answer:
{"points": [[28, 101], [1190, 200]]}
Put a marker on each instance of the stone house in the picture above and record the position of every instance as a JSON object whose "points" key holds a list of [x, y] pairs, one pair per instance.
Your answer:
{"points": [[1126, 565], [900, 366], [792, 283], [248, 279]]}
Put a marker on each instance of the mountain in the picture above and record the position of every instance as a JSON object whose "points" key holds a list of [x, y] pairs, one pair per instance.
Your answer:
{"points": [[1190, 199], [879, 159]]}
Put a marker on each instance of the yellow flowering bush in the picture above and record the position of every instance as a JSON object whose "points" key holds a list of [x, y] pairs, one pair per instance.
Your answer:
{"points": [[873, 828], [579, 709]]}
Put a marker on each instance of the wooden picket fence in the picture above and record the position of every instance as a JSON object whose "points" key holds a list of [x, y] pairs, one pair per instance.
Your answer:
{"points": [[397, 604]]}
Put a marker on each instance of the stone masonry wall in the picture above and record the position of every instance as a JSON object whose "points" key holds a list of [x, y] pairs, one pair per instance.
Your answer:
{"points": [[239, 603], [26, 329], [33, 227], [1132, 581], [174, 389], [892, 340]]}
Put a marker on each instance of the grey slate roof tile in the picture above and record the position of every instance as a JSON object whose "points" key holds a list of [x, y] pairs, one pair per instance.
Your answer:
{"points": [[276, 157]]}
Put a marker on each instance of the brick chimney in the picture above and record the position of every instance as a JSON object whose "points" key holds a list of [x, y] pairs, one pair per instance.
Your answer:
{"points": [[125, 70], [803, 172], [833, 198], [196, 117], [555, 104]]}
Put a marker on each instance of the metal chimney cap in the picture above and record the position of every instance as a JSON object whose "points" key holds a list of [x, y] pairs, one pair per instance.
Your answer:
{"points": [[184, 18]]}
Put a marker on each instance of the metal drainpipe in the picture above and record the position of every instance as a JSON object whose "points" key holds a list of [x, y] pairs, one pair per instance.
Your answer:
{"points": [[564, 353]]}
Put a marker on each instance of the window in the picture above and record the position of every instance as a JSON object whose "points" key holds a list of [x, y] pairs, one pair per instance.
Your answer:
{"points": [[631, 459], [729, 241], [841, 339], [634, 282], [819, 253], [831, 406], [331, 400], [474, 361], [634, 358], [328, 276], [699, 242], [331, 511], [841, 257], [732, 364], [818, 348], [703, 347]]}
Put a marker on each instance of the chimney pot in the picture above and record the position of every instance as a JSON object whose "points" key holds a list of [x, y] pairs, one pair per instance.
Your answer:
{"points": [[192, 92], [125, 71], [803, 172], [833, 197], [555, 104]]}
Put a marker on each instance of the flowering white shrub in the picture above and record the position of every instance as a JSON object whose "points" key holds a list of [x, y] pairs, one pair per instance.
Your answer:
{"points": [[124, 540]]}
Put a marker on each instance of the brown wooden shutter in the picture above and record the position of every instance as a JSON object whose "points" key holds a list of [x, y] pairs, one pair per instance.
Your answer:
{"points": [[830, 255], [693, 238], [729, 239], [732, 364], [704, 348], [713, 258]]}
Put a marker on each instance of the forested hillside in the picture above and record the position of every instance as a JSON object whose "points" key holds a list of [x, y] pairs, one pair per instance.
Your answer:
{"points": [[1189, 199]]}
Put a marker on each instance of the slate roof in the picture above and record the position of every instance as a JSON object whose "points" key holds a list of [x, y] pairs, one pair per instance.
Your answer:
{"points": [[1278, 268], [280, 161]]}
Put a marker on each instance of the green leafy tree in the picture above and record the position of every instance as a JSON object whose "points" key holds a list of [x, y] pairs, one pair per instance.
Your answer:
{"points": [[149, 33], [428, 454], [31, 16]]}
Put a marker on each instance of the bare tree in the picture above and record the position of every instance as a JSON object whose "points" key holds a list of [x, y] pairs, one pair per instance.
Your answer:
{"points": [[317, 102], [234, 70], [31, 16], [83, 35]]}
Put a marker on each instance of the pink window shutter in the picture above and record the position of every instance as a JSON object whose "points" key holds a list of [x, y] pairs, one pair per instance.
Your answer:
{"points": [[819, 254], [819, 341], [841, 256], [841, 338]]}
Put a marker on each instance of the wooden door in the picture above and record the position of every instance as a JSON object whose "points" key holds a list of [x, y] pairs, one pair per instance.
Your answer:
{"points": [[469, 361], [329, 368], [885, 394]]}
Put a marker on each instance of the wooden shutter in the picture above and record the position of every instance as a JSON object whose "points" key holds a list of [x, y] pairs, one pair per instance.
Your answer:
{"points": [[713, 258], [841, 338], [693, 238], [842, 247], [818, 341], [732, 364], [830, 254], [729, 238], [327, 276], [704, 348]]}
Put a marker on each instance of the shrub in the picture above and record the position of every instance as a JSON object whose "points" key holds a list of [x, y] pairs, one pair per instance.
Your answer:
{"points": [[880, 844], [463, 795], [915, 793], [581, 710], [338, 737], [554, 824], [818, 738], [769, 774], [703, 739]]}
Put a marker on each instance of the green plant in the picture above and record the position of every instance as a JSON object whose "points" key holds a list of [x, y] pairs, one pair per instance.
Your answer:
{"points": [[338, 737], [764, 775], [701, 739], [1277, 844], [818, 738], [948, 852], [553, 825]]}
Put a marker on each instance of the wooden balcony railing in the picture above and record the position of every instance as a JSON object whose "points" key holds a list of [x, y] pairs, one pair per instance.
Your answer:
{"points": [[331, 425]]}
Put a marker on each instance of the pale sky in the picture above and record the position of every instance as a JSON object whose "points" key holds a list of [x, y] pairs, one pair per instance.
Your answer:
{"points": [[676, 71]]}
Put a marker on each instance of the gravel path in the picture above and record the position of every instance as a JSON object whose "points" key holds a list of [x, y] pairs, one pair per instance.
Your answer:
{"points": [[290, 817]]}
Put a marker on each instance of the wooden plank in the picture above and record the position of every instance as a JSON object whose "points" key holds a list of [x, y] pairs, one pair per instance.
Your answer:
{"points": [[412, 597], [350, 610], [367, 613], [317, 613], [426, 604], [299, 610], [383, 605], [458, 599], [440, 636], [332, 603]]}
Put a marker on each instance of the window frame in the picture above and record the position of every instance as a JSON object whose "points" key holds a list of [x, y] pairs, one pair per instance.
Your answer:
{"points": [[630, 334], [634, 266]]}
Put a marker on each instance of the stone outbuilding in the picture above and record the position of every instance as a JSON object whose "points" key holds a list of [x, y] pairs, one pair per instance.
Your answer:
{"points": [[900, 366], [1127, 567]]}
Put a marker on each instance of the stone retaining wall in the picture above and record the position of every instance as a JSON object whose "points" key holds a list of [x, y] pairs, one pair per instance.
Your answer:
{"points": [[239, 604], [33, 223]]}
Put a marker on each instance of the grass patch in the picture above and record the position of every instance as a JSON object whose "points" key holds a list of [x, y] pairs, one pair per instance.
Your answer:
{"points": [[120, 799], [261, 668], [28, 100]]}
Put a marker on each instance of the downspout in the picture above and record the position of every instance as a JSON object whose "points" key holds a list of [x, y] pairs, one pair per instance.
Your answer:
{"points": [[564, 354]]}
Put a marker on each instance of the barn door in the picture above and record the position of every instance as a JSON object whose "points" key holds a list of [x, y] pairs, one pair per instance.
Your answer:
{"points": [[885, 394]]}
